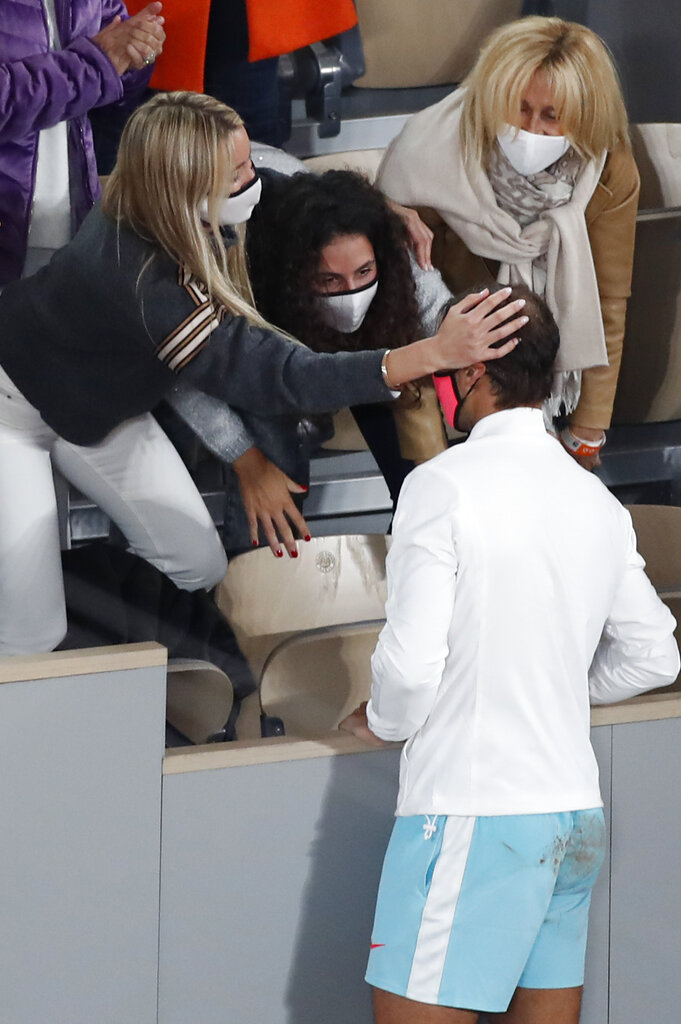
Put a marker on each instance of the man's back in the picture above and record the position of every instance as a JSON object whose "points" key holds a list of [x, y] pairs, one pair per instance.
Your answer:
{"points": [[515, 593], [508, 562]]}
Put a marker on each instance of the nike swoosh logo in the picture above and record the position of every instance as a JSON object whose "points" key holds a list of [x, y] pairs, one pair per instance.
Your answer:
{"points": [[377, 945]]}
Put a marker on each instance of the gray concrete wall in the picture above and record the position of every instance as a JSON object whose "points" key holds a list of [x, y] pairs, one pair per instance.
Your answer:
{"points": [[80, 803], [268, 883], [646, 873], [239, 885], [269, 877]]}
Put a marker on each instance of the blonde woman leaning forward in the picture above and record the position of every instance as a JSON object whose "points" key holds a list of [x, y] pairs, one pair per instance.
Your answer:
{"points": [[526, 174], [154, 286]]}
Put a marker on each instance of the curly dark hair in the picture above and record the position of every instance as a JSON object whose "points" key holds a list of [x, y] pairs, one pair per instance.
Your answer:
{"points": [[296, 218]]}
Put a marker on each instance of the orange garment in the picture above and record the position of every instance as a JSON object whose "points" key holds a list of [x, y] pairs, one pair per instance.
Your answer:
{"points": [[274, 27], [181, 64], [280, 26]]}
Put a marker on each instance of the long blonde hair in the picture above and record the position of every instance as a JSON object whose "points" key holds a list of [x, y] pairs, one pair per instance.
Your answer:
{"points": [[176, 150], [580, 71]]}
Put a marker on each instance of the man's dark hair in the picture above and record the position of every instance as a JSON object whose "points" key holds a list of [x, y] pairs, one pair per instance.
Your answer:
{"points": [[525, 375]]}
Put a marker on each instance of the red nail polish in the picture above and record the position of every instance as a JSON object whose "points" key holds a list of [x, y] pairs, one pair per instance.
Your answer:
{"points": [[307, 536], [304, 487], [255, 543], [279, 553], [294, 553]]}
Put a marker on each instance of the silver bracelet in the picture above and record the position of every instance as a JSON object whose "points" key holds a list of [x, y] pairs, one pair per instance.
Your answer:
{"points": [[384, 369]]}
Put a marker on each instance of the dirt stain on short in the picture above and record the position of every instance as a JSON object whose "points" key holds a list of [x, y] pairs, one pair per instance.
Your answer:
{"points": [[578, 854], [588, 844], [558, 851]]}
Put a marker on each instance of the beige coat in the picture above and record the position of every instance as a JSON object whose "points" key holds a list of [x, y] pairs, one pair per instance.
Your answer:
{"points": [[611, 224]]}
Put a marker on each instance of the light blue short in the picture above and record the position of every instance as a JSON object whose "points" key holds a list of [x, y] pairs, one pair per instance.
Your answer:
{"points": [[471, 908]]}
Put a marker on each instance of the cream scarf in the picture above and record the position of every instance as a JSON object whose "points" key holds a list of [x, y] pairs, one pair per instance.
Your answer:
{"points": [[424, 167]]}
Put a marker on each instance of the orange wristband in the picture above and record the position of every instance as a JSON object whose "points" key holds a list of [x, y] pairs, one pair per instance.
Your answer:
{"points": [[577, 446]]}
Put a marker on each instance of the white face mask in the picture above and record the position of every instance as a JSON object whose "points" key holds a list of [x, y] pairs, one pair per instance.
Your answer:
{"points": [[237, 208], [530, 153], [345, 311]]}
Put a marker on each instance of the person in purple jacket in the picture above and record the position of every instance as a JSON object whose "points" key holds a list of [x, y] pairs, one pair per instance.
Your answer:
{"points": [[58, 60]]}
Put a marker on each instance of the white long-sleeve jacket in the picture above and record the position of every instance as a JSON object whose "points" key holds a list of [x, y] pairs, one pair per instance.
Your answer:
{"points": [[515, 593]]}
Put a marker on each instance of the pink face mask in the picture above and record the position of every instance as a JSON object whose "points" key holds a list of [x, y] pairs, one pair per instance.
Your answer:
{"points": [[451, 400], [444, 389]]}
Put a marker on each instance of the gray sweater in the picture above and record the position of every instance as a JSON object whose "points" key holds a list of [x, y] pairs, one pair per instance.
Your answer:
{"points": [[91, 340]]}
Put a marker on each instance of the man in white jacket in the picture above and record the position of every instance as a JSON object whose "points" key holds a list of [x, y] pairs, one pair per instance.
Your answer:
{"points": [[515, 596]]}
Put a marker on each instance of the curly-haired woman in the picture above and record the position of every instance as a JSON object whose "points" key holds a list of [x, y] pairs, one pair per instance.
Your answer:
{"points": [[330, 264]]}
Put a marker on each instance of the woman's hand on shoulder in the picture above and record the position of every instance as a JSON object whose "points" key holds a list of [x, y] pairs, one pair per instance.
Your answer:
{"points": [[266, 495], [419, 233], [477, 323]]}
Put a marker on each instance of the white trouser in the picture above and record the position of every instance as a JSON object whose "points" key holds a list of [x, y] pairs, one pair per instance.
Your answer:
{"points": [[134, 475]]}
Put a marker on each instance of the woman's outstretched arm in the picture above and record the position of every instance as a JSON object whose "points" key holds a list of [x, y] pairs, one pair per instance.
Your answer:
{"points": [[260, 370]]}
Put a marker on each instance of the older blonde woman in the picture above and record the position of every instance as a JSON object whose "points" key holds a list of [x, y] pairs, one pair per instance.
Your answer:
{"points": [[154, 286], [526, 174]]}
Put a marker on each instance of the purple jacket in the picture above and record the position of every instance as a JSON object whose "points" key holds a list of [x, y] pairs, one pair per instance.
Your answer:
{"points": [[39, 88]]}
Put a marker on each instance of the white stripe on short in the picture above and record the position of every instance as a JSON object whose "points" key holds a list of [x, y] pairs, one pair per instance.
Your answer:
{"points": [[440, 907]]}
